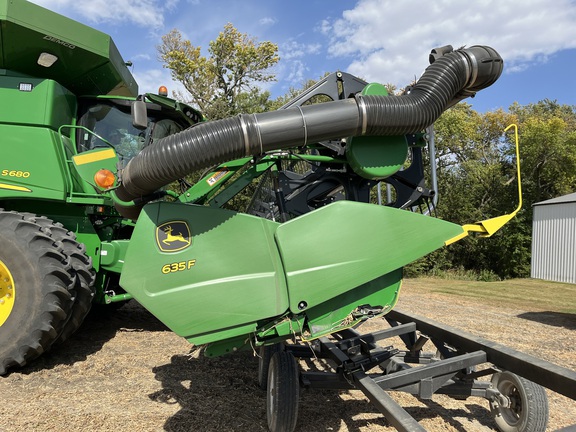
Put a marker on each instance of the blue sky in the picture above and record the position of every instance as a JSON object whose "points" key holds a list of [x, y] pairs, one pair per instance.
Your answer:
{"points": [[385, 41]]}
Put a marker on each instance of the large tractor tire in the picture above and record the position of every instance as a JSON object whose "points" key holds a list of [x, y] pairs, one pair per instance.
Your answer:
{"points": [[82, 267], [36, 289]]}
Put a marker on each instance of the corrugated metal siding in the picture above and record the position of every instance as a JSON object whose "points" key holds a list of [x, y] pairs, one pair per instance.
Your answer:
{"points": [[554, 242]]}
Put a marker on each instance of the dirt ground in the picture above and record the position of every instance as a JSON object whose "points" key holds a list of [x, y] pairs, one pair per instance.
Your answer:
{"points": [[125, 371]]}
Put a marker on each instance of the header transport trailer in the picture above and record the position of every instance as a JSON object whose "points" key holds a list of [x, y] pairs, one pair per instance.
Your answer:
{"points": [[87, 217]]}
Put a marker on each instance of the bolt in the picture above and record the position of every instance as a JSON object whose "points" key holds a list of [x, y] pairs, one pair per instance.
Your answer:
{"points": [[1, 301], [8, 296], [302, 305]]}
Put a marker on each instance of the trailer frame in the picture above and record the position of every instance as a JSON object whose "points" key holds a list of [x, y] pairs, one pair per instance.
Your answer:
{"points": [[454, 369]]}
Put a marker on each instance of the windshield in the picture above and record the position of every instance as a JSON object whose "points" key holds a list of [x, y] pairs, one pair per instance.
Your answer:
{"points": [[112, 121]]}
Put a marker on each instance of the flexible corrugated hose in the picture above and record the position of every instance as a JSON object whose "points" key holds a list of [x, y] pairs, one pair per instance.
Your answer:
{"points": [[452, 76]]}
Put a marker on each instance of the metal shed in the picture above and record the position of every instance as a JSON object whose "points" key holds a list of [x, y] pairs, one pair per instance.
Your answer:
{"points": [[554, 239]]}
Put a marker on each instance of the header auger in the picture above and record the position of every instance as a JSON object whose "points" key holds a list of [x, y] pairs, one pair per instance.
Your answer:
{"points": [[314, 250]]}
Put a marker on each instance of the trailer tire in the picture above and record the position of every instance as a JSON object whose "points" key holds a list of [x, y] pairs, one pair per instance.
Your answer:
{"points": [[265, 354], [528, 409], [37, 280], [282, 394], [81, 263]]}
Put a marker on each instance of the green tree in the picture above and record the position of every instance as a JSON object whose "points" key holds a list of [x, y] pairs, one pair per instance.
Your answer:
{"points": [[225, 82], [477, 179], [548, 145]]}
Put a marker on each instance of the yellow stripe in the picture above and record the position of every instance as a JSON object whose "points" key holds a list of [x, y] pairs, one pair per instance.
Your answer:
{"points": [[94, 157], [16, 188]]}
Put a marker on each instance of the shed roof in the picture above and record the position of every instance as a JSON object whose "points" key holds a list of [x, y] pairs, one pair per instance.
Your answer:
{"points": [[564, 199]]}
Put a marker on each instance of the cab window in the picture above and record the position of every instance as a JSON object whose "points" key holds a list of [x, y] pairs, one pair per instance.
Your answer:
{"points": [[111, 124]]}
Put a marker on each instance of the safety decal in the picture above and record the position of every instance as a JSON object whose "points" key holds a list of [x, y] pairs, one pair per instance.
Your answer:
{"points": [[215, 178]]}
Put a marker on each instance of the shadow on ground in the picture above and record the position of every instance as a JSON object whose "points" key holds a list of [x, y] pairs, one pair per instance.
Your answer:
{"points": [[557, 319], [222, 394], [100, 326]]}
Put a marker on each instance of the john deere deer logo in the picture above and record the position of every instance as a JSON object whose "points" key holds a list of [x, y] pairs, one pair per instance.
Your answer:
{"points": [[173, 236]]}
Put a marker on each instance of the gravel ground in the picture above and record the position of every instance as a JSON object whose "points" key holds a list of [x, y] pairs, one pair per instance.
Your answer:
{"points": [[125, 371]]}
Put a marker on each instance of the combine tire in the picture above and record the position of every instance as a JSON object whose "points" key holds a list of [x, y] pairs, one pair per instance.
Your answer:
{"points": [[527, 407], [83, 288], [282, 393], [36, 289]]}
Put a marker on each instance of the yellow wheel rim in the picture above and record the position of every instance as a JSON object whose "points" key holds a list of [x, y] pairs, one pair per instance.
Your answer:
{"points": [[7, 293]]}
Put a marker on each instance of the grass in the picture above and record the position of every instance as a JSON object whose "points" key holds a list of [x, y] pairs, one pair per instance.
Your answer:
{"points": [[527, 294]]}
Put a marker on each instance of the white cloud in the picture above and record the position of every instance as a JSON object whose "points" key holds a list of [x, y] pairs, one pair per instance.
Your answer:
{"points": [[293, 68], [267, 21], [382, 35], [325, 27], [292, 49], [296, 75], [141, 57], [144, 13]]}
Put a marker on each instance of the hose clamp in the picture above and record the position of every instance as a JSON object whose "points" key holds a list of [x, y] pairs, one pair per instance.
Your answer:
{"points": [[244, 127], [362, 106], [257, 125], [471, 67], [304, 125]]}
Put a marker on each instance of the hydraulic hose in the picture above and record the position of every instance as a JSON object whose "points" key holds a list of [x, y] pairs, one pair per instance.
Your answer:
{"points": [[452, 76]]}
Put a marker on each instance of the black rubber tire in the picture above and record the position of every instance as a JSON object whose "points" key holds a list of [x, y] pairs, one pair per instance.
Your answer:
{"points": [[83, 288], [43, 283], [265, 354], [282, 393], [528, 410]]}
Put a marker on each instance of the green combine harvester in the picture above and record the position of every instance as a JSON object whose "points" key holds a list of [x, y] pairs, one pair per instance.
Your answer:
{"points": [[86, 216]]}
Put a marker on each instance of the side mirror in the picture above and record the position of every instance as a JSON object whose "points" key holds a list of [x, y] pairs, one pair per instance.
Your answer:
{"points": [[139, 115]]}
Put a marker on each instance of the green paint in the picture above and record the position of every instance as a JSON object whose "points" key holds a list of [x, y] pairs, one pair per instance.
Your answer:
{"points": [[379, 296], [22, 176], [376, 157], [112, 255], [236, 278], [345, 244], [212, 275], [88, 61]]}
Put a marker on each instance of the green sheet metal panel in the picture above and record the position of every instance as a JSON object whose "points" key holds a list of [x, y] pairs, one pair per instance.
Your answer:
{"points": [[379, 296], [202, 270], [26, 154], [88, 60], [345, 244], [44, 103], [375, 157]]}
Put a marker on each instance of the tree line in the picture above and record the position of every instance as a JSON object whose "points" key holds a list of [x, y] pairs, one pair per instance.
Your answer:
{"points": [[476, 161]]}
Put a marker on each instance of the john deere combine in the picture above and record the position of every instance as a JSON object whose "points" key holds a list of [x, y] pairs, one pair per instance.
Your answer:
{"points": [[85, 160], [86, 216]]}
